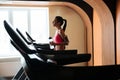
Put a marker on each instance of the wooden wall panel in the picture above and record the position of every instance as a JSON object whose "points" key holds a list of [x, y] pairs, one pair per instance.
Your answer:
{"points": [[106, 41], [118, 32]]}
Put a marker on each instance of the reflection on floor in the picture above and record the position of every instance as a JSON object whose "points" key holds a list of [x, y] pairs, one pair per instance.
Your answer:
{"points": [[6, 78]]}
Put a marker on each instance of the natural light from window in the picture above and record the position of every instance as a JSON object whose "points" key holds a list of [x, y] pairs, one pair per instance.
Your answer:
{"points": [[34, 20]]}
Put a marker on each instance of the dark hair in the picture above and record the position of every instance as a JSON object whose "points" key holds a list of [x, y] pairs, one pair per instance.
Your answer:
{"points": [[61, 20], [65, 24]]}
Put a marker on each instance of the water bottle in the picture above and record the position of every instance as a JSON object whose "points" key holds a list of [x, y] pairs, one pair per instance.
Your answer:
{"points": [[50, 40]]}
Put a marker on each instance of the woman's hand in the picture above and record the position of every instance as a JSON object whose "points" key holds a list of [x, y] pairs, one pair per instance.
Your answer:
{"points": [[52, 43]]}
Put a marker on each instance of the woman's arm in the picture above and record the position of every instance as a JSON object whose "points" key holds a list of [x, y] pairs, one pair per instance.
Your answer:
{"points": [[64, 37]]}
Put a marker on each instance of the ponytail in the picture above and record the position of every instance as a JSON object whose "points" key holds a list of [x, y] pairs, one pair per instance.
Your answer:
{"points": [[65, 24]]}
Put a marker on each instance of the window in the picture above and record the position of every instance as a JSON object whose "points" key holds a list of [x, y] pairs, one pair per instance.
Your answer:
{"points": [[34, 20]]}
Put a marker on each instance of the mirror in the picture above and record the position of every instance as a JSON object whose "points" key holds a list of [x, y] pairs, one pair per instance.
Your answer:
{"points": [[75, 30]]}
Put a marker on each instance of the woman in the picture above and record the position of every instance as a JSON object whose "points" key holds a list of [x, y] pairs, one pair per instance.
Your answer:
{"points": [[59, 39]]}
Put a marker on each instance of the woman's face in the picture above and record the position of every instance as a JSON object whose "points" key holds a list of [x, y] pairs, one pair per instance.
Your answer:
{"points": [[55, 22]]}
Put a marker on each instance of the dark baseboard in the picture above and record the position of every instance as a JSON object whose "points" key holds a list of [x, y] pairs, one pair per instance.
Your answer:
{"points": [[6, 78]]}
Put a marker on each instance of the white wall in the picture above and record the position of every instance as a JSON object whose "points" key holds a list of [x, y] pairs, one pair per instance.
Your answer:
{"points": [[9, 66]]}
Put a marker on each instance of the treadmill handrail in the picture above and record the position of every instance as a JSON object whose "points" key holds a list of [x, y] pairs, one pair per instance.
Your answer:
{"points": [[23, 36], [29, 37]]}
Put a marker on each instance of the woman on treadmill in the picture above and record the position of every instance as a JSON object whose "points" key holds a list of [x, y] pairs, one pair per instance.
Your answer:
{"points": [[60, 40]]}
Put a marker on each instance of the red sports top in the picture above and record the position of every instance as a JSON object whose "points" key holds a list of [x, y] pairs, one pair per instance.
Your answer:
{"points": [[57, 38]]}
